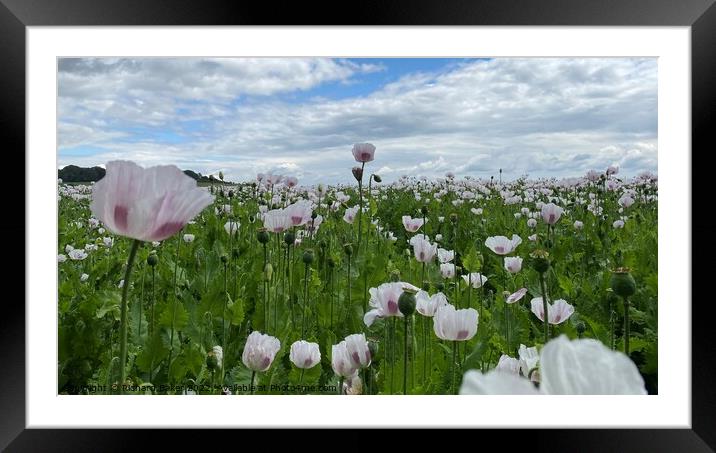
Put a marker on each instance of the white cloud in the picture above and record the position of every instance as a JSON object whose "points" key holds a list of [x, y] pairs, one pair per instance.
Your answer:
{"points": [[545, 117]]}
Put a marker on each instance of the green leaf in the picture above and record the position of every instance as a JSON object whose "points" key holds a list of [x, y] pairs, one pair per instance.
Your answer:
{"points": [[179, 314], [110, 304]]}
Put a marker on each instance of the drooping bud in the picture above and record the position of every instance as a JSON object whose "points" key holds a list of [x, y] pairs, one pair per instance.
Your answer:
{"points": [[377, 178]]}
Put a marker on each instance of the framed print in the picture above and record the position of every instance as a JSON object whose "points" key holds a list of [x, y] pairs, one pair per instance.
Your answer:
{"points": [[360, 225]]}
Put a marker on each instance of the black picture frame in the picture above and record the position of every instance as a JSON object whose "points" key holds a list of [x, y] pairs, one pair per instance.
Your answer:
{"points": [[700, 15]]}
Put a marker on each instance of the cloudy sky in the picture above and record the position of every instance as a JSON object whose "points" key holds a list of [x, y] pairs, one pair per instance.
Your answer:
{"points": [[541, 117]]}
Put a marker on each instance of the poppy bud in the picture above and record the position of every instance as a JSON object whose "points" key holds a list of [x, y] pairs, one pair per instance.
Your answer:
{"points": [[453, 217], [308, 256], [622, 282], [581, 328], [377, 178], [395, 275], [357, 173], [424, 210], [331, 262], [406, 302], [224, 258], [252, 219], [426, 286], [268, 272], [211, 362], [540, 261], [440, 286], [348, 248], [263, 236], [289, 238], [235, 252], [152, 259]]}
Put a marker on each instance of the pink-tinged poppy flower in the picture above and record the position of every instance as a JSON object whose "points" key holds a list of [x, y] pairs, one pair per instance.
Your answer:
{"points": [[422, 248], [341, 361], [259, 351], [300, 212], [231, 227], [531, 223], [502, 245], [447, 270], [445, 256], [593, 369], [532, 238], [626, 201], [363, 152], [578, 225], [513, 264], [455, 325], [427, 305], [353, 385], [618, 224], [516, 296], [557, 312], [149, 204], [277, 221], [357, 347], [291, 181], [475, 279], [304, 354], [412, 225], [612, 170], [551, 213], [350, 214], [384, 300], [508, 364]]}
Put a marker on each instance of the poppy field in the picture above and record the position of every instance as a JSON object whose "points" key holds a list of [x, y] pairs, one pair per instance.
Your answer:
{"points": [[416, 286]]}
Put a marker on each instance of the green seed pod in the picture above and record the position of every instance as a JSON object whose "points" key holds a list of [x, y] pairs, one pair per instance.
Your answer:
{"points": [[308, 256], [348, 248], [395, 275], [224, 258], [289, 238], [424, 210], [540, 261], [581, 327], [373, 348], [152, 259], [622, 282], [268, 272], [263, 236], [211, 362], [406, 302]]}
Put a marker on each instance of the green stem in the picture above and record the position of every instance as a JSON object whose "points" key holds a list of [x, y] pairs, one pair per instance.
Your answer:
{"points": [[405, 356], [454, 366], [123, 319], [626, 326], [253, 375], [544, 307]]}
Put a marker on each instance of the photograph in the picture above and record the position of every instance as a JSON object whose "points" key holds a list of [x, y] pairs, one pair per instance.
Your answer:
{"points": [[349, 226]]}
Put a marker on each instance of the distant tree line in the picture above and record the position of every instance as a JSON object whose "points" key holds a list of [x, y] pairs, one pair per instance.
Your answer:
{"points": [[73, 173]]}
